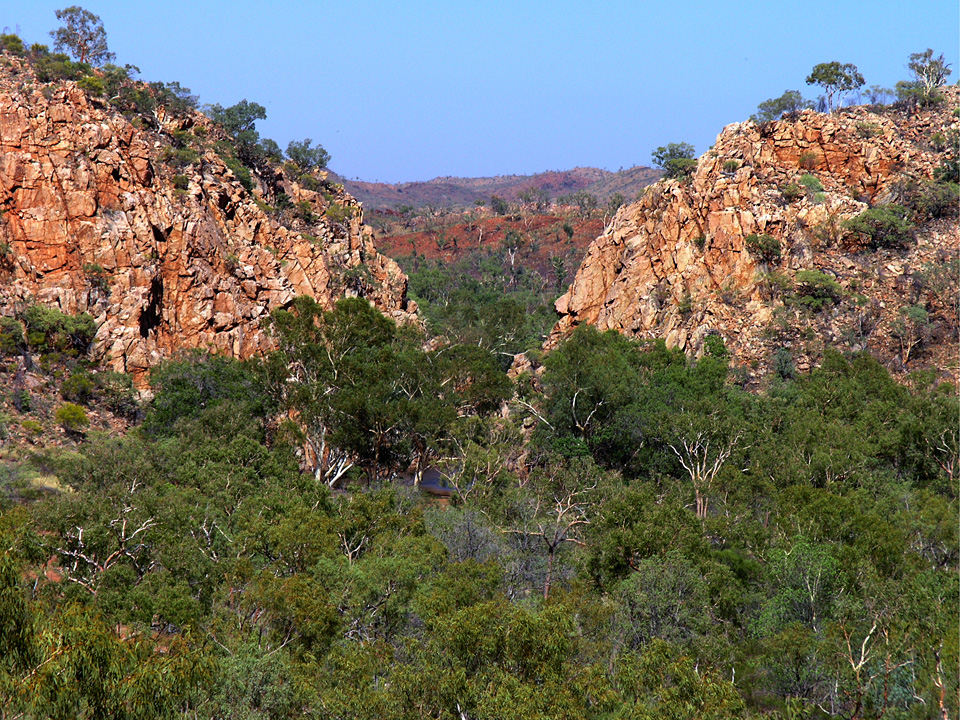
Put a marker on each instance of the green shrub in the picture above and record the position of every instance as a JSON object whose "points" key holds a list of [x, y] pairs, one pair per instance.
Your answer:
{"points": [[240, 171], [773, 284], [12, 44], [678, 160], [731, 166], [884, 226], [937, 199], [78, 388], [91, 84], [765, 247], [783, 366], [72, 417], [51, 331], [811, 183], [21, 400], [304, 211], [309, 182], [180, 158], [115, 390], [31, 427], [338, 213], [816, 290], [180, 182], [11, 337], [792, 192], [58, 66]]}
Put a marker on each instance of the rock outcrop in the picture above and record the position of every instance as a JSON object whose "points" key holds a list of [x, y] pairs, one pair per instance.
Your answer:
{"points": [[95, 218], [674, 265]]}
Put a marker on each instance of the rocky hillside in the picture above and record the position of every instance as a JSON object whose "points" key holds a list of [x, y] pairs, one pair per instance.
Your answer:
{"points": [[144, 226], [447, 192], [681, 264]]}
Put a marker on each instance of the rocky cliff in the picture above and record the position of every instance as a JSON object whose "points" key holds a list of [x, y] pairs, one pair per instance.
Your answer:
{"points": [[100, 213], [675, 265]]}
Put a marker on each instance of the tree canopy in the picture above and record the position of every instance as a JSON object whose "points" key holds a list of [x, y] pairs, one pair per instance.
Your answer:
{"points": [[82, 35], [677, 159], [836, 80]]}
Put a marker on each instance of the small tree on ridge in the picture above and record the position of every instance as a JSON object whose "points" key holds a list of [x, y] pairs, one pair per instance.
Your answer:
{"points": [[835, 79], [82, 35]]}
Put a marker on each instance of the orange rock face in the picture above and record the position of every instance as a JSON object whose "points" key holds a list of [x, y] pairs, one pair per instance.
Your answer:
{"points": [[674, 265], [91, 221]]}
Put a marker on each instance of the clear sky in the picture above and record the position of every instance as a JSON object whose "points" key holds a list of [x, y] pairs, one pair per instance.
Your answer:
{"points": [[401, 90]]}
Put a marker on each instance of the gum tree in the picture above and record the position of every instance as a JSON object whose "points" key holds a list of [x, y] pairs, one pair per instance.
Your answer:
{"points": [[835, 79], [82, 35]]}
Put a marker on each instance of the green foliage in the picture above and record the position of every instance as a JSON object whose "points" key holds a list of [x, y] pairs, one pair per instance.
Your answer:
{"points": [[482, 300], [174, 97], [78, 388], [882, 227], [790, 103], [929, 73], [52, 67], [499, 205], [11, 337], [731, 166], [809, 160], [113, 390], [239, 170], [180, 158], [835, 79], [248, 148], [72, 417], [949, 170], [764, 247], [678, 160], [338, 213], [184, 387], [371, 392], [792, 192], [12, 44], [31, 427], [307, 157], [816, 290], [783, 366], [82, 35], [664, 684], [50, 331], [811, 183], [91, 84]]}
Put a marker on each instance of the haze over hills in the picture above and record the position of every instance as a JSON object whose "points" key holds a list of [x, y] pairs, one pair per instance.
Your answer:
{"points": [[449, 192]]}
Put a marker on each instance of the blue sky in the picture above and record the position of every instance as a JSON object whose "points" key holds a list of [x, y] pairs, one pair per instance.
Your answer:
{"points": [[413, 90]]}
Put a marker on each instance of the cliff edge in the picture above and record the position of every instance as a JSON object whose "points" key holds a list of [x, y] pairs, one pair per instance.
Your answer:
{"points": [[101, 213], [678, 264]]}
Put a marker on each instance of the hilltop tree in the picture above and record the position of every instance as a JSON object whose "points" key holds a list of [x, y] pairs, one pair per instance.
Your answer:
{"points": [[677, 159], [791, 102], [82, 35], [307, 157], [835, 79], [929, 73], [240, 121]]}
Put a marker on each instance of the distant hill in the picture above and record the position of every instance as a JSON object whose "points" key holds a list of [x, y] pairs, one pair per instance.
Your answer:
{"points": [[451, 192]]}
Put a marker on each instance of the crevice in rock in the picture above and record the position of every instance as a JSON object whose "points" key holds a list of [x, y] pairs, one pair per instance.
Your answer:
{"points": [[150, 317]]}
